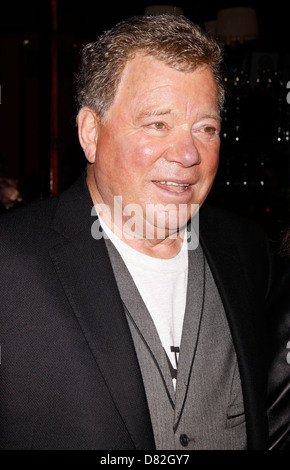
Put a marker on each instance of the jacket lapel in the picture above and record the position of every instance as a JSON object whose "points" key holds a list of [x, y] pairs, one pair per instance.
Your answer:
{"points": [[241, 307], [191, 327], [227, 269], [84, 269]]}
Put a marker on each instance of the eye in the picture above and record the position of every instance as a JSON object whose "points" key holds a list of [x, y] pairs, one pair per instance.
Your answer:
{"points": [[158, 125], [207, 132], [210, 130], [157, 128]]}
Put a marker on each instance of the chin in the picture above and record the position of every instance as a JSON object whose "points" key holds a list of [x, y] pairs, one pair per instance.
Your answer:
{"points": [[165, 223]]}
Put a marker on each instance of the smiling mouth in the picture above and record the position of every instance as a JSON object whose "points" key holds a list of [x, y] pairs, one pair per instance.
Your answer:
{"points": [[173, 186]]}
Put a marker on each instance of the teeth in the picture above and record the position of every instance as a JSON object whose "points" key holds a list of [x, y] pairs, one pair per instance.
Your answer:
{"points": [[171, 183]]}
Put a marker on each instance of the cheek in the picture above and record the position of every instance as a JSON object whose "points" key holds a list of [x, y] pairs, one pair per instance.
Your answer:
{"points": [[123, 167], [211, 160], [208, 168], [139, 157], [144, 152], [213, 165]]}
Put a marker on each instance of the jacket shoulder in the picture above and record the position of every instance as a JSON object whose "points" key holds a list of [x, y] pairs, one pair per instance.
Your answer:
{"points": [[46, 220], [27, 223]]}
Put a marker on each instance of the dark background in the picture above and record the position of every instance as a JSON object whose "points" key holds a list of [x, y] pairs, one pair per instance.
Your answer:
{"points": [[254, 174]]}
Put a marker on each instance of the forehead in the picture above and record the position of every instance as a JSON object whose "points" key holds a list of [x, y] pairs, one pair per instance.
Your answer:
{"points": [[149, 81]]}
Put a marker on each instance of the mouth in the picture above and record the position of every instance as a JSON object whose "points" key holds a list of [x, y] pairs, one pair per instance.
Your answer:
{"points": [[172, 186]]}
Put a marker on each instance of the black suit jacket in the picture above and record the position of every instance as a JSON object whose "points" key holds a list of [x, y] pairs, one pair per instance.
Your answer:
{"points": [[69, 375], [278, 311]]}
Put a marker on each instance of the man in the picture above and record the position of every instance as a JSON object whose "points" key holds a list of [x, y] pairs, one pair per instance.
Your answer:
{"points": [[118, 329]]}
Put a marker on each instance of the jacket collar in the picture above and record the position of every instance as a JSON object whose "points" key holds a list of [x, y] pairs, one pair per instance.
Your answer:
{"points": [[74, 211]]}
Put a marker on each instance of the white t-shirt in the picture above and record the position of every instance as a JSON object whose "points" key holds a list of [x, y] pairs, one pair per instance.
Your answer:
{"points": [[162, 284]]}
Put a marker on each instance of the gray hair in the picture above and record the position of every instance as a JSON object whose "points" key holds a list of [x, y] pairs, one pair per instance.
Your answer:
{"points": [[171, 39]]}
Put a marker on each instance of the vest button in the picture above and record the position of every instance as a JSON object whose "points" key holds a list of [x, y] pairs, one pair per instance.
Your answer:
{"points": [[184, 441]]}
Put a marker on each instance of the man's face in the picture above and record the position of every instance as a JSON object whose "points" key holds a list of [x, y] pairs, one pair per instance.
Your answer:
{"points": [[159, 141]]}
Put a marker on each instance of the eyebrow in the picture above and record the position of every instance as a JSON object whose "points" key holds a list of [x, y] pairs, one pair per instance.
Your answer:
{"points": [[154, 112], [166, 111], [215, 116]]}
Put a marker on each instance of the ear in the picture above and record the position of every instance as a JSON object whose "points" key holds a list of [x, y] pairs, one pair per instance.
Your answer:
{"points": [[88, 124]]}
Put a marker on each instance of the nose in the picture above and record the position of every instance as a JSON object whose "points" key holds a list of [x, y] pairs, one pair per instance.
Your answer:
{"points": [[183, 150]]}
